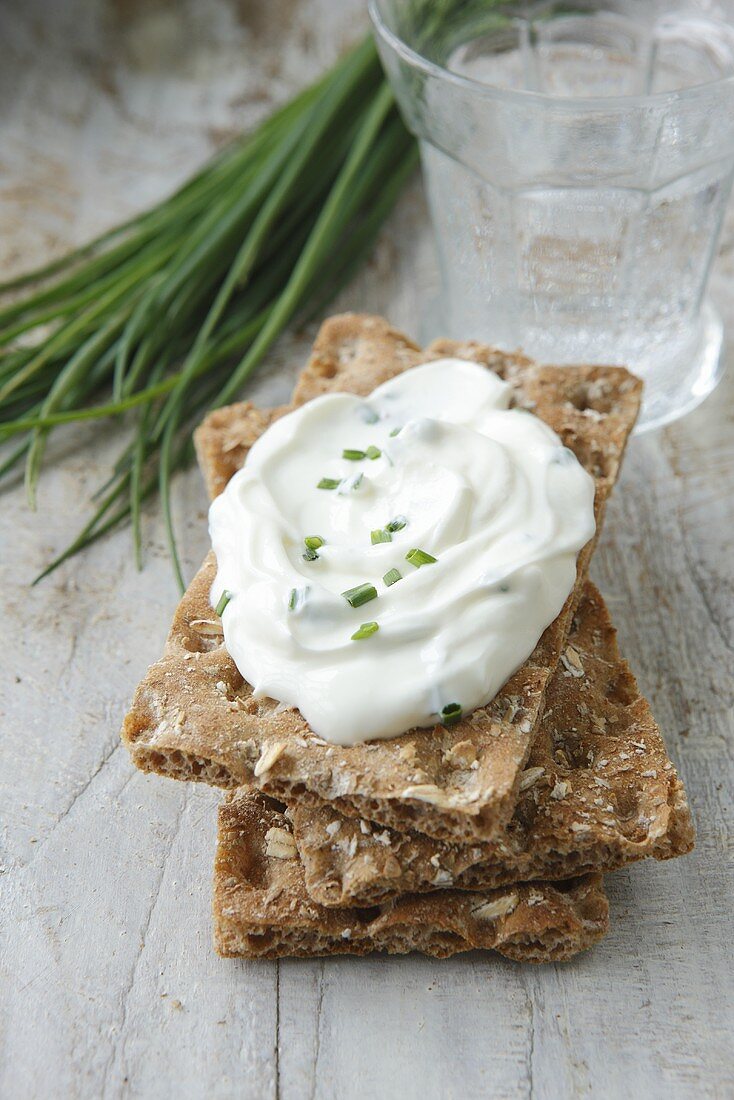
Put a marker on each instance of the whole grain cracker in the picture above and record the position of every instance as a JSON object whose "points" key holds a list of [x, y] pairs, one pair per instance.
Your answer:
{"points": [[262, 908], [583, 770], [181, 725]]}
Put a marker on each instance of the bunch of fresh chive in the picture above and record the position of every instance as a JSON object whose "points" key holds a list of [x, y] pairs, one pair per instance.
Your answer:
{"points": [[166, 317]]}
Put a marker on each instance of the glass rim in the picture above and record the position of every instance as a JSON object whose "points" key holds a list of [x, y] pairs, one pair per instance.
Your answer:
{"points": [[526, 97]]}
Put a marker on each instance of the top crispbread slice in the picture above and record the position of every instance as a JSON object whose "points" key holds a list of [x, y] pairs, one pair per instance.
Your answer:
{"points": [[194, 717], [599, 791]]}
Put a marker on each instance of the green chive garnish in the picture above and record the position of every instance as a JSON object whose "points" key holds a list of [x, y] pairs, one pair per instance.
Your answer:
{"points": [[396, 524], [451, 714], [297, 598], [373, 452], [419, 558], [392, 576], [364, 631], [363, 593], [353, 456], [395, 431], [310, 555], [223, 601], [329, 483], [313, 542], [380, 535]]}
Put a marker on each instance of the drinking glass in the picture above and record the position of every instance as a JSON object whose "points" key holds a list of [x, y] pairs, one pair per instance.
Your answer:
{"points": [[578, 158]]}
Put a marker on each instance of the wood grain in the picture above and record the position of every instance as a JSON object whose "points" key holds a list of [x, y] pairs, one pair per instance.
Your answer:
{"points": [[110, 984]]}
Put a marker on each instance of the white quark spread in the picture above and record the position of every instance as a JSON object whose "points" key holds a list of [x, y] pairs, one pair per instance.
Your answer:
{"points": [[448, 471]]}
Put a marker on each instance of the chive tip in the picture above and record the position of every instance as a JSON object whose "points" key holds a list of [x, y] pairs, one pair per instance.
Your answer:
{"points": [[223, 601]]}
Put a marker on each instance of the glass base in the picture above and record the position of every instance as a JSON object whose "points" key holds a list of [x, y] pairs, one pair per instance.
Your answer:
{"points": [[675, 389], [675, 384]]}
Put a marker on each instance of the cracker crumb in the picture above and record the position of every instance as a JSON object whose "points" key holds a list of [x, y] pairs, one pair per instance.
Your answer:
{"points": [[333, 828]]}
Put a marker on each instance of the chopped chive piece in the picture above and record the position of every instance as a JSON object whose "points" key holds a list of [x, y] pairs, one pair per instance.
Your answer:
{"points": [[223, 601], [392, 576], [313, 542], [363, 593], [451, 714], [365, 630], [368, 415], [419, 558], [380, 536], [297, 598], [310, 555], [395, 431], [373, 452], [353, 456], [396, 524], [329, 483]]}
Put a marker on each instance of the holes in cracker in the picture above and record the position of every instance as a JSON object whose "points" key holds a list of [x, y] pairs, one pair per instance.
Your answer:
{"points": [[595, 395], [367, 914], [627, 801], [621, 690], [324, 368]]}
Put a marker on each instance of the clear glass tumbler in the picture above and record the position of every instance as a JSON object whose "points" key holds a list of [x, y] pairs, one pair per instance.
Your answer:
{"points": [[578, 159]]}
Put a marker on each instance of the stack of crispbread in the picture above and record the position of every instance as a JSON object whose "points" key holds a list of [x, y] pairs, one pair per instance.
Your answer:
{"points": [[492, 833]]}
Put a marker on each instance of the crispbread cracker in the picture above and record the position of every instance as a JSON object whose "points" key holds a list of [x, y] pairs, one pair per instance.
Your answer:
{"points": [[194, 717], [598, 791], [262, 909]]}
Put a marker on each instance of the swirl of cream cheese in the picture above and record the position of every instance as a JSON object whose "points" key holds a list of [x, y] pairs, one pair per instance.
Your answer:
{"points": [[488, 491]]}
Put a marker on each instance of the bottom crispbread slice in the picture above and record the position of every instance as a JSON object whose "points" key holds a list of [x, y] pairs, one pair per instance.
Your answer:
{"points": [[262, 908], [599, 791], [194, 717]]}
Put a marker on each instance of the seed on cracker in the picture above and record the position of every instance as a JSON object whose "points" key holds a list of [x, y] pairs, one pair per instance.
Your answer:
{"points": [[279, 844]]}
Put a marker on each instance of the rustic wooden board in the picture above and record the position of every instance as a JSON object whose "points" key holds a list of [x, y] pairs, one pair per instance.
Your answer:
{"points": [[110, 984]]}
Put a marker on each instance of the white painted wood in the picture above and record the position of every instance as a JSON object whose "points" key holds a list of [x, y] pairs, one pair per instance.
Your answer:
{"points": [[110, 986]]}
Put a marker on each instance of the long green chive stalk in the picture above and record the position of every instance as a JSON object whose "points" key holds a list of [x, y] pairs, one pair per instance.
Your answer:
{"points": [[168, 315]]}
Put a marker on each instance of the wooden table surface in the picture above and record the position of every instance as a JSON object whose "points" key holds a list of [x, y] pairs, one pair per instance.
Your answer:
{"points": [[110, 985]]}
